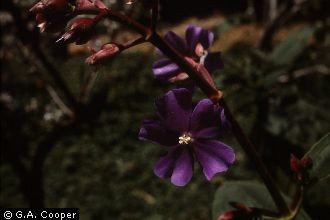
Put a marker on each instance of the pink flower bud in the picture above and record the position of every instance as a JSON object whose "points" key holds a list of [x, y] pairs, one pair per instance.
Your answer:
{"points": [[51, 25], [90, 4], [107, 52], [52, 7], [52, 15], [80, 32]]}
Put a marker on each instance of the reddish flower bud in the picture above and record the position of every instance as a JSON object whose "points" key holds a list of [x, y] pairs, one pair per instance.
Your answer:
{"points": [[300, 168], [52, 7], [295, 164], [51, 25], [80, 32], [52, 15], [107, 52], [90, 4], [306, 163], [239, 215]]}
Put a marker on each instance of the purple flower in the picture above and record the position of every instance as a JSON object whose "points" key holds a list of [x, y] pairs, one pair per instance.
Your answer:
{"points": [[189, 132], [198, 40]]}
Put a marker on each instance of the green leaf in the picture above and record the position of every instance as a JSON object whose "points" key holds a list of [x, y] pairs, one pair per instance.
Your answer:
{"points": [[292, 46], [320, 155], [250, 193]]}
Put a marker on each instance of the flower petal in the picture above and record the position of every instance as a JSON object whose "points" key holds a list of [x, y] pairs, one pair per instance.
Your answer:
{"points": [[165, 165], [214, 156], [183, 169], [175, 41], [196, 35], [154, 131], [206, 133], [213, 61], [174, 108], [206, 114], [165, 69]]}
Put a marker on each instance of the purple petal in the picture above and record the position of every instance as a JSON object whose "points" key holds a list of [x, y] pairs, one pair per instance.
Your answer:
{"points": [[174, 108], [207, 133], [165, 69], [165, 165], [213, 61], [214, 156], [225, 124], [183, 169], [196, 35], [206, 114], [155, 132], [176, 42]]}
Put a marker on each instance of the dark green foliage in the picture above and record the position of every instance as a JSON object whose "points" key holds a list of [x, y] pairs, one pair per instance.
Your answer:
{"points": [[320, 155], [249, 193]]}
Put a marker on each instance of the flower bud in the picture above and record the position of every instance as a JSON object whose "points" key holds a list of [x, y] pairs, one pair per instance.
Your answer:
{"points": [[52, 7], [295, 164], [239, 215], [89, 4], [52, 15], [51, 25], [107, 52], [306, 163], [80, 32]]}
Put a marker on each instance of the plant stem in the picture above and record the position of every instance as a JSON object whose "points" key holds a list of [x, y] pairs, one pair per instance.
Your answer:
{"points": [[256, 160], [214, 94]]}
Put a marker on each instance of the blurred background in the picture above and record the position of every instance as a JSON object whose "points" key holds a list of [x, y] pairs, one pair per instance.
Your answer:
{"points": [[69, 131]]}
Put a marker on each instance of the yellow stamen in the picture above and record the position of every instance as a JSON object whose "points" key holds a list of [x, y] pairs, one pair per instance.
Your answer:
{"points": [[185, 139]]}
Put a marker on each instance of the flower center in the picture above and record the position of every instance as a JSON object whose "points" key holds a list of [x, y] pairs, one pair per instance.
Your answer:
{"points": [[201, 53], [185, 139]]}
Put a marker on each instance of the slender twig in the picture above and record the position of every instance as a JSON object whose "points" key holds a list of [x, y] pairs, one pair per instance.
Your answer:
{"points": [[86, 89], [154, 15], [58, 101], [297, 200], [22, 49], [133, 43], [116, 16], [317, 69]]}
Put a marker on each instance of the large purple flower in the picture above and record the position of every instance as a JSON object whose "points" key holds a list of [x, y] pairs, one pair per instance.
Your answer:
{"points": [[189, 132], [198, 40]]}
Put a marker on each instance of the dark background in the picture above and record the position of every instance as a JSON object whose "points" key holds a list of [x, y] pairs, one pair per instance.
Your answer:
{"points": [[276, 79]]}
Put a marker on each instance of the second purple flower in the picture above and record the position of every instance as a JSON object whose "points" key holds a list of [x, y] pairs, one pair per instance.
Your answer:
{"points": [[194, 47], [189, 131]]}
